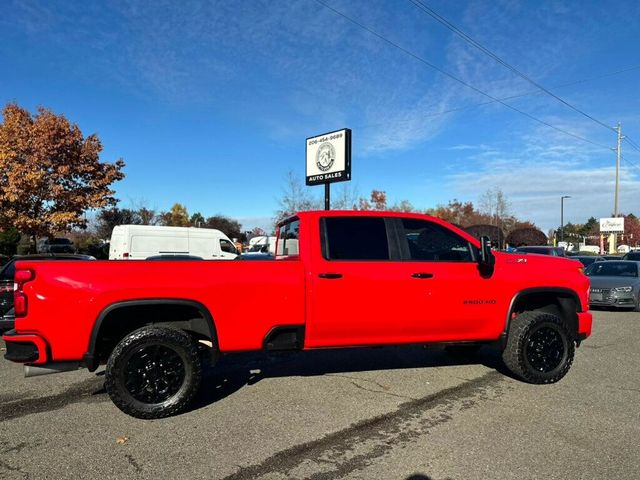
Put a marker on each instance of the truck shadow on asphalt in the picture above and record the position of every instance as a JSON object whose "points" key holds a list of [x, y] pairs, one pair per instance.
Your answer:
{"points": [[235, 371]]}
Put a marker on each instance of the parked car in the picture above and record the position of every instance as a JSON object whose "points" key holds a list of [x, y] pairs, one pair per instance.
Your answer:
{"points": [[587, 259], [615, 284], [635, 255], [7, 272], [57, 245], [138, 242], [611, 257], [543, 250]]}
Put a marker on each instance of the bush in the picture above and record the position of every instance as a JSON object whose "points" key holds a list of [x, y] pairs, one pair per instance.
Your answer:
{"points": [[525, 237], [494, 233]]}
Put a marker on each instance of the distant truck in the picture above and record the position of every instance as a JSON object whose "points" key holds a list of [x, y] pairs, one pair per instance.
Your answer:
{"points": [[339, 279], [262, 244], [138, 242]]}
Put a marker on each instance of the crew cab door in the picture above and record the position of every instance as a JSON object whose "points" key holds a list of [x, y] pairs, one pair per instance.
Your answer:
{"points": [[355, 283], [392, 280], [455, 300]]}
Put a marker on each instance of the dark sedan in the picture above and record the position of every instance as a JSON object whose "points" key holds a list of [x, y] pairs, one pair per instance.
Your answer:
{"points": [[635, 255], [614, 284], [588, 259], [6, 283], [543, 250]]}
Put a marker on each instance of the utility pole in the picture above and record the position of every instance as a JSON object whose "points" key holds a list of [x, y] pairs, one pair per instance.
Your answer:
{"points": [[618, 153], [562, 216]]}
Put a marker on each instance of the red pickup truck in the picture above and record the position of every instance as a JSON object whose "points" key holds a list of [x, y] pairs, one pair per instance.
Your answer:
{"points": [[339, 279]]}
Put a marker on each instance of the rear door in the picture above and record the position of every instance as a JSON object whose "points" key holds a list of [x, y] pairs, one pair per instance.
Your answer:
{"points": [[356, 295]]}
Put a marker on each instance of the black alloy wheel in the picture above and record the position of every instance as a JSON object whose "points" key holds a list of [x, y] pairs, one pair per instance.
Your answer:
{"points": [[154, 372], [544, 349], [540, 347]]}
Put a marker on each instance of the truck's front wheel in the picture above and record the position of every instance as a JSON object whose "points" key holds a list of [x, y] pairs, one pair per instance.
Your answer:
{"points": [[154, 372], [539, 348]]}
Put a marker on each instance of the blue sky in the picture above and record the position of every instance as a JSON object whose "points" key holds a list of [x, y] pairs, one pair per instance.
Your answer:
{"points": [[209, 103]]}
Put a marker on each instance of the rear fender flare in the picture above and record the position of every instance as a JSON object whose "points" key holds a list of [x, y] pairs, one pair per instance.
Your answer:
{"points": [[90, 358]]}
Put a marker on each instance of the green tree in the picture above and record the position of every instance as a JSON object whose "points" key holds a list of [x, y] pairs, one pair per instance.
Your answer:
{"points": [[197, 220], [51, 172], [9, 241], [178, 216], [110, 217], [228, 226]]}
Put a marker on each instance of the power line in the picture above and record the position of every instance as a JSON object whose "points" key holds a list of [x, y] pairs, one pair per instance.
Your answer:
{"points": [[433, 14], [632, 143], [518, 95], [454, 77], [630, 162]]}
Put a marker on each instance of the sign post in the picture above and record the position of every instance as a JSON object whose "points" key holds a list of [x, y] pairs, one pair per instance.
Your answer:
{"points": [[328, 160]]}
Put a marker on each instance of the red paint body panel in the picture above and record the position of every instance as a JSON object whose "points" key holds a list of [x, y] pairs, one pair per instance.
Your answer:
{"points": [[373, 303], [245, 299]]}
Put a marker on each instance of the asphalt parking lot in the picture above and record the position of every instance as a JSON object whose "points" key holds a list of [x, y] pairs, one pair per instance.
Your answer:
{"points": [[389, 413]]}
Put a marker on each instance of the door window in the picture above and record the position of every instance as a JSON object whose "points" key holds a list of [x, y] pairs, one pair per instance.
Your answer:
{"points": [[355, 238], [227, 247], [429, 241]]}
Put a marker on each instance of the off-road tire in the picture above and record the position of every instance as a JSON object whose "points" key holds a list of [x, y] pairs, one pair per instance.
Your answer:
{"points": [[523, 353], [127, 365]]}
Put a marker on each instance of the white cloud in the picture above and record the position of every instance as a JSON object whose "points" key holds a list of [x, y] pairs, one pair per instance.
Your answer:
{"points": [[534, 189]]}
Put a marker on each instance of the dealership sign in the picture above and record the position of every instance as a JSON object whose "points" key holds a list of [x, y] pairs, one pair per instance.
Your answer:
{"points": [[329, 157], [611, 225]]}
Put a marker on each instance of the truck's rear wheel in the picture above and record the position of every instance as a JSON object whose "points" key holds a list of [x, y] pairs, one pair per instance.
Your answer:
{"points": [[154, 372], [539, 348]]}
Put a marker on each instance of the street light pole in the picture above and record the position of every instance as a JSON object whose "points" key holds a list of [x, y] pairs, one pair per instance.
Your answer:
{"points": [[562, 216]]}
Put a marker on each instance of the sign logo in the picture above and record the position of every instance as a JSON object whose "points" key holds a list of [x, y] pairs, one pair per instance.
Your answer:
{"points": [[615, 224], [325, 156]]}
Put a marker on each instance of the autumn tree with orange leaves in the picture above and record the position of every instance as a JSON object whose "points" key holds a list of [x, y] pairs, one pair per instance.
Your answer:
{"points": [[50, 174]]}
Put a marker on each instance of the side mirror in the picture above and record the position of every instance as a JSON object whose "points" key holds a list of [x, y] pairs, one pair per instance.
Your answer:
{"points": [[486, 261]]}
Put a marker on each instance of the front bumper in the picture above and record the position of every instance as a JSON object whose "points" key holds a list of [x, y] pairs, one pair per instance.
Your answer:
{"points": [[609, 297], [25, 348]]}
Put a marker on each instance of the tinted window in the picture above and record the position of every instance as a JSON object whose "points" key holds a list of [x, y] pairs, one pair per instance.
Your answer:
{"points": [[60, 241], [632, 256], [356, 238], [429, 241], [612, 269], [8, 271]]}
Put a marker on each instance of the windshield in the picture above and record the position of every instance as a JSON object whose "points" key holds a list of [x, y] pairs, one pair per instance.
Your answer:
{"points": [[612, 269]]}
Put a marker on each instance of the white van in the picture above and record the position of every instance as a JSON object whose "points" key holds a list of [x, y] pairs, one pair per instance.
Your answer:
{"points": [[138, 242]]}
